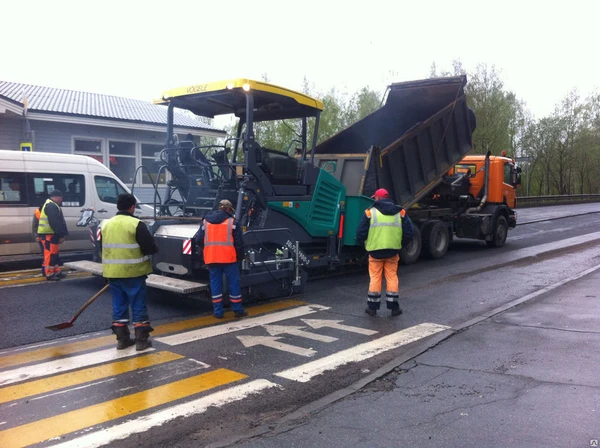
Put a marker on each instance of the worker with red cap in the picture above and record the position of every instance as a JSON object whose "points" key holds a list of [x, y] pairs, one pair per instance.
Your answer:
{"points": [[384, 229]]}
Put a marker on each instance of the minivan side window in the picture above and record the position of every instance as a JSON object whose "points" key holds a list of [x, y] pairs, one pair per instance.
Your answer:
{"points": [[108, 189], [13, 189], [72, 187]]}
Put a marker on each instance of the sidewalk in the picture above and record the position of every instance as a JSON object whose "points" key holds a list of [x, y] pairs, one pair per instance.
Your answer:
{"points": [[528, 377]]}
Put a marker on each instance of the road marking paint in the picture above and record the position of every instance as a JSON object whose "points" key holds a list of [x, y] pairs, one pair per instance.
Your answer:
{"points": [[65, 364], [305, 372], [275, 330], [110, 435], [320, 323], [56, 351], [40, 279], [62, 381], [273, 342], [80, 346], [238, 325], [59, 425], [20, 273], [229, 317]]}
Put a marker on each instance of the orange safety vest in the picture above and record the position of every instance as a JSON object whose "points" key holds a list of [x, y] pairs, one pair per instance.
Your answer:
{"points": [[218, 242]]}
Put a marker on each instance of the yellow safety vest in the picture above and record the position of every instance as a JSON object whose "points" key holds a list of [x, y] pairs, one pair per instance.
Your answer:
{"points": [[121, 254], [385, 231], [43, 225]]}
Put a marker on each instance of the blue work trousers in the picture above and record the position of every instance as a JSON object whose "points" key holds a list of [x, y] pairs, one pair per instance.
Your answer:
{"points": [[232, 273], [128, 292]]}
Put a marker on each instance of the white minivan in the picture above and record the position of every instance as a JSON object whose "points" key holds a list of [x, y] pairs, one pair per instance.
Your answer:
{"points": [[26, 178]]}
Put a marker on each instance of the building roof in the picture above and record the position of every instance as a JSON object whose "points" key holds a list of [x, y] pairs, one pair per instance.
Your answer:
{"points": [[85, 104]]}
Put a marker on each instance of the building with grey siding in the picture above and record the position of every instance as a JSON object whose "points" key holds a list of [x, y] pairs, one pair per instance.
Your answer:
{"points": [[121, 133]]}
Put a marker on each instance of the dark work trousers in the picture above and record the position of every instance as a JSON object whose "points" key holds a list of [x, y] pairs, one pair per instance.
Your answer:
{"points": [[128, 292], [232, 273]]}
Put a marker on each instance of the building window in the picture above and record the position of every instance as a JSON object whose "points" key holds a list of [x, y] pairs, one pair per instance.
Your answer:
{"points": [[71, 185], [122, 160], [12, 189], [151, 161], [108, 189], [90, 148]]}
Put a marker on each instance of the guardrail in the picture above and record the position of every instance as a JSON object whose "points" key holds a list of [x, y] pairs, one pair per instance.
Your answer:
{"points": [[536, 201]]}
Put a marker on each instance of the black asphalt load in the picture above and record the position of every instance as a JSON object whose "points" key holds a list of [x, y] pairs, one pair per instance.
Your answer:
{"points": [[525, 377]]}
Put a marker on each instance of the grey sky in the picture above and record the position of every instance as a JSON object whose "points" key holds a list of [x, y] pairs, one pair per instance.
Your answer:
{"points": [[138, 49]]}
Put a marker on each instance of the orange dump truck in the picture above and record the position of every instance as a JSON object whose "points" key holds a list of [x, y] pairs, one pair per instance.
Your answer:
{"points": [[407, 147]]}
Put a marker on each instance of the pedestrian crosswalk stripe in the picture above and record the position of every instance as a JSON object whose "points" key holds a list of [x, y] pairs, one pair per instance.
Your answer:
{"points": [[64, 365], [204, 333], [80, 346], [305, 372], [65, 380], [55, 351], [59, 425], [122, 431]]}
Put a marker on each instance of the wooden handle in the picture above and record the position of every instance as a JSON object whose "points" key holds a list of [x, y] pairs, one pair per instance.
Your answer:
{"points": [[89, 302]]}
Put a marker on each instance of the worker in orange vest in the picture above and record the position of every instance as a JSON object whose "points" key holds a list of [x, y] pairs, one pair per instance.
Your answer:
{"points": [[221, 236]]}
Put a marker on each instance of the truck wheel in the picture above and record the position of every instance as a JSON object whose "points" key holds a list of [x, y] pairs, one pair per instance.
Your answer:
{"points": [[410, 253], [500, 232], [435, 240]]}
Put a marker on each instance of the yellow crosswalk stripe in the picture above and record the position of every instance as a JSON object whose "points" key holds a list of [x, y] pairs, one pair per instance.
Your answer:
{"points": [[79, 419], [80, 346], [65, 380]]}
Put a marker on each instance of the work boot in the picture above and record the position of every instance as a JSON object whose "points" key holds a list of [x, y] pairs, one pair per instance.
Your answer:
{"points": [[240, 313], [61, 275], [53, 278], [123, 339], [371, 312], [142, 334], [397, 312]]}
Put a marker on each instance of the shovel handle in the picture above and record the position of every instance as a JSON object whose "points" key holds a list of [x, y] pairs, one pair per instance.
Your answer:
{"points": [[89, 302]]}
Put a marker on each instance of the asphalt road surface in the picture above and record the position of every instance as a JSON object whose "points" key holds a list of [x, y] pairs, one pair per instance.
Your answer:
{"points": [[211, 382]]}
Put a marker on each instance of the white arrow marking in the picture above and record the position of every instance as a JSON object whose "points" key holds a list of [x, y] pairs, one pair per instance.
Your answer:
{"points": [[270, 341], [305, 372], [274, 330], [320, 323]]}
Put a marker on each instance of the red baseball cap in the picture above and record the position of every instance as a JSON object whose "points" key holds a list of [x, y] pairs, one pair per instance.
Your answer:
{"points": [[381, 193]]}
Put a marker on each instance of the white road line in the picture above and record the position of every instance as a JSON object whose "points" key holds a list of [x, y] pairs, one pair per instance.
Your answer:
{"points": [[146, 422], [320, 323], [275, 330], [273, 342], [305, 372], [65, 364], [244, 324]]}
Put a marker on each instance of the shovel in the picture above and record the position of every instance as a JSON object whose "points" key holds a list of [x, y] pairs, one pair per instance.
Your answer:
{"points": [[69, 324]]}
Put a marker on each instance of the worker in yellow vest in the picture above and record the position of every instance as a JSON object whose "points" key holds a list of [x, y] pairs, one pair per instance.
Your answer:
{"points": [[126, 248], [52, 230], [383, 229]]}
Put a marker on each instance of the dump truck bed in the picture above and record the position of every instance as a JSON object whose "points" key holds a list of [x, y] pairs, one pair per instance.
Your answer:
{"points": [[406, 146]]}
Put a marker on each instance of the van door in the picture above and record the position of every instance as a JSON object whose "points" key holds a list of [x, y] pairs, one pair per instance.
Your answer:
{"points": [[14, 212]]}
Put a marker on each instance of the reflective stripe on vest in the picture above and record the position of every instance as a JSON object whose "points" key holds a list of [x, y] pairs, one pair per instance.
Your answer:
{"points": [[122, 256], [218, 242], [43, 224], [385, 231]]}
